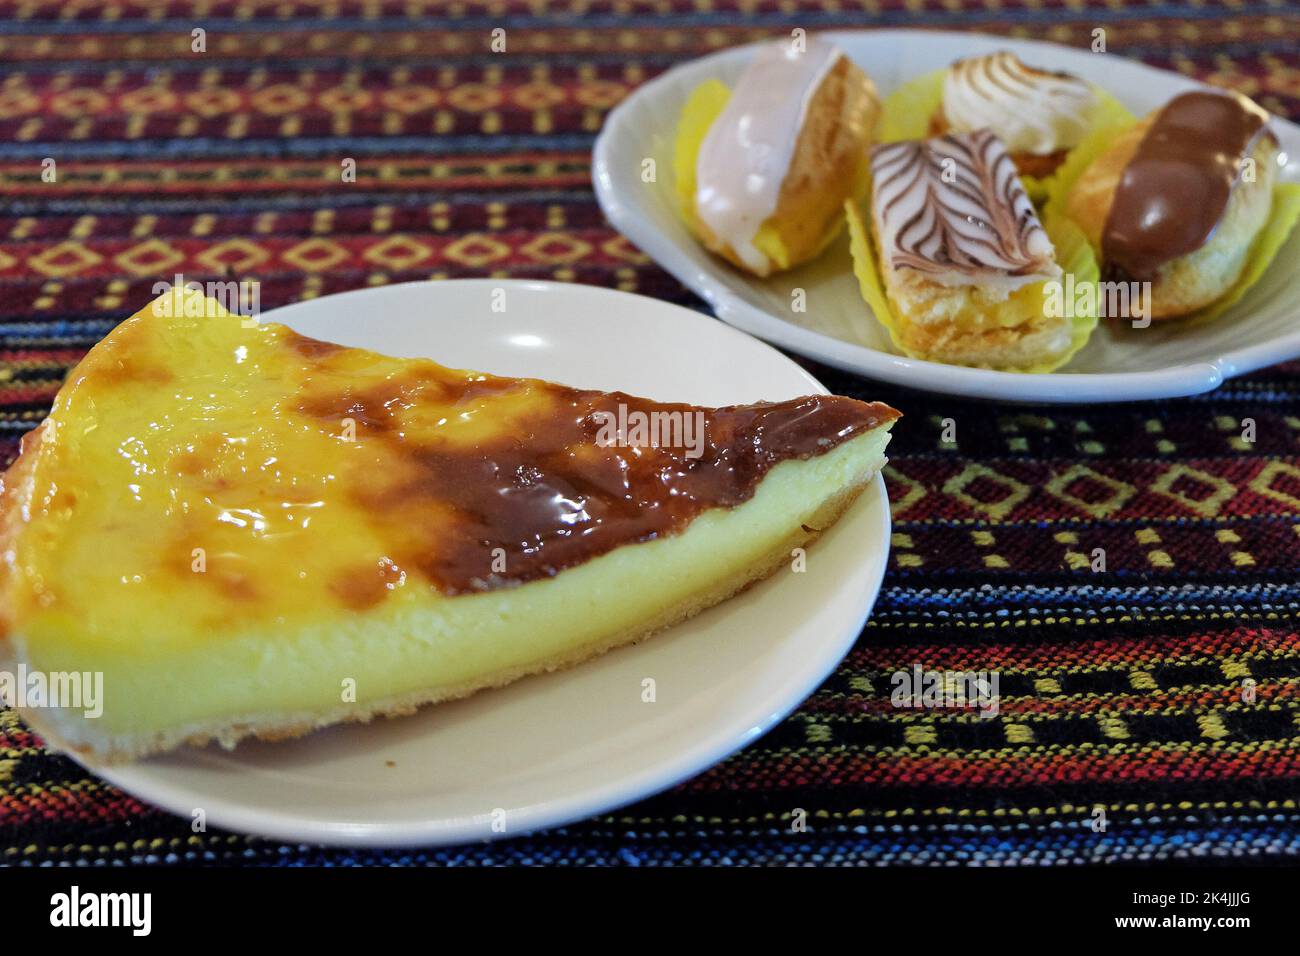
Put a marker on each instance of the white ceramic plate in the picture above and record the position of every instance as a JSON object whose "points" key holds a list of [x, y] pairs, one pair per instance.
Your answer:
{"points": [[1161, 361], [553, 749]]}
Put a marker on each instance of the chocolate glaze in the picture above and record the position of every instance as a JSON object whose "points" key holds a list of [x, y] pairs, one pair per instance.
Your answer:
{"points": [[1174, 191], [544, 491]]}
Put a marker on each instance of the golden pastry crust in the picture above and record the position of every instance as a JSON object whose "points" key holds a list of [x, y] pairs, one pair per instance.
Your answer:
{"points": [[959, 325], [1027, 164], [965, 325], [829, 165], [1193, 281]]}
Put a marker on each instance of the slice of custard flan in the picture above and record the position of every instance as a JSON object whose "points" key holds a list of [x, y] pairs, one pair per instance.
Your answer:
{"points": [[248, 532]]}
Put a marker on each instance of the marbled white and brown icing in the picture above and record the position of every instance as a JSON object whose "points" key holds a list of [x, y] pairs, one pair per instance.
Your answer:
{"points": [[954, 209]]}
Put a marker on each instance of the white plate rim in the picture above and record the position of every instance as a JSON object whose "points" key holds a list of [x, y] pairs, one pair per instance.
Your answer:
{"points": [[706, 752], [1171, 381]]}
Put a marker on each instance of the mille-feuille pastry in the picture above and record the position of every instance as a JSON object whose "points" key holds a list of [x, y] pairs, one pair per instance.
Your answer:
{"points": [[768, 185], [1178, 199], [962, 254], [1039, 115], [250, 532]]}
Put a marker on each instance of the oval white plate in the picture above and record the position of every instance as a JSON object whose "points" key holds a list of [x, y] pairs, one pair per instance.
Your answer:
{"points": [[1161, 361], [557, 748]]}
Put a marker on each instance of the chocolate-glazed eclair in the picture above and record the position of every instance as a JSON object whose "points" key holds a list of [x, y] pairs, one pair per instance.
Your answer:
{"points": [[1039, 115], [765, 189], [1178, 199], [961, 251]]}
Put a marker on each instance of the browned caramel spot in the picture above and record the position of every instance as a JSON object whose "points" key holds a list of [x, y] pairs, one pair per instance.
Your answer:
{"points": [[313, 348], [365, 587], [235, 585], [198, 458], [123, 359], [128, 369], [374, 407]]}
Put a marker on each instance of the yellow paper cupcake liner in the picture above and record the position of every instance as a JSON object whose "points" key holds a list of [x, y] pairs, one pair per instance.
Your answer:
{"points": [[1281, 220], [701, 110], [906, 115], [703, 107], [1073, 254], [1079, 159]]}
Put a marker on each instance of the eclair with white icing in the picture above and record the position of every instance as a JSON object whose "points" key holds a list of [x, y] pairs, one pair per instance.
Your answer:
{"points": [[777, 163], [1039, 115], [962, 254]]}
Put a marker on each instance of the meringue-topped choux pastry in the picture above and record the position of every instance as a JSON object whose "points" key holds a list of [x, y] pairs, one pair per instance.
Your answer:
{"points": [[1178, 199], [1039, 115], [778, 162], [962, 254]]}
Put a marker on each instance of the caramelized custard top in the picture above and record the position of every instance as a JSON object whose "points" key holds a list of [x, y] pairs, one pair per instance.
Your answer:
{"points": [[197, 466]]}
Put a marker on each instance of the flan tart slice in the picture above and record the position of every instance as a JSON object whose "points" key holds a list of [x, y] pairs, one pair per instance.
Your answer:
{"points": [[250, 532]]}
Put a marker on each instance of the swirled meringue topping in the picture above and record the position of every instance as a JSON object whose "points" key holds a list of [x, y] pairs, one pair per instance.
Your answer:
{"points": [[954, 209], [1031, 111], [747, 151]]}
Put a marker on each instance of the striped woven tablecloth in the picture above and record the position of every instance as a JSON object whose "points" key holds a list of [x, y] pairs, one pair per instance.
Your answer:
{"points": [[1121, 692]]}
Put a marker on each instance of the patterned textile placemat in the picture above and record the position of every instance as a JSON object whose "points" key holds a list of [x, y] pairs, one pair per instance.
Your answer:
{"points": [[1122, 692]]}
